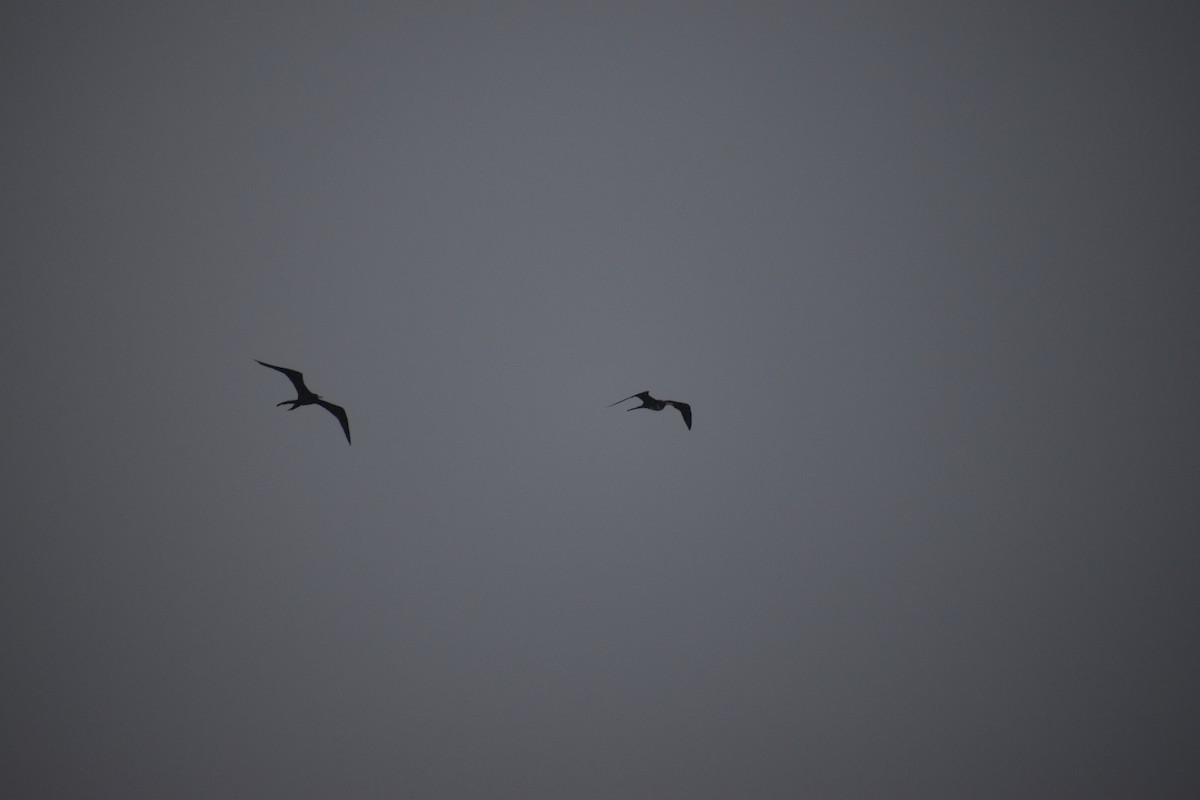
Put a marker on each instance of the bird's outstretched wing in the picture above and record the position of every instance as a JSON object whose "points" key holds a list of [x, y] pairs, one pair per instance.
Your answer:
{"points": [[684, 409], [295, 376], [642, 395], [340, 413]]}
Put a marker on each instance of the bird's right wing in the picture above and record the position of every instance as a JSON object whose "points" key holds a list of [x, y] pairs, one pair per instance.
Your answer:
{"points": [[295, 376], [642, 395]]}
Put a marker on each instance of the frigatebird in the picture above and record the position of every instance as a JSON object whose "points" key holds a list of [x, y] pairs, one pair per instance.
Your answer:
{"points": [[306, 397], [655, 404]]}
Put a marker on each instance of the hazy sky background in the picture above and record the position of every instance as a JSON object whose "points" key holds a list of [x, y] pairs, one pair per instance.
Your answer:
{"points": [[927, 274]]}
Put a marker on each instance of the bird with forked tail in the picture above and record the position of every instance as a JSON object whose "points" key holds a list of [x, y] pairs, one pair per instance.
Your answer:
{"points": [[306, 397], [654, 404]]}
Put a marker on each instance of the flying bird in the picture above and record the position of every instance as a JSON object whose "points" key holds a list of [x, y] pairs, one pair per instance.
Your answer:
{"points": [[655, 404], [306, 397]]}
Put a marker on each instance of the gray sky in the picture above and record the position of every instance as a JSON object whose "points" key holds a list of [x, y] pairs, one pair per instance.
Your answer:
{"points": [[927, 275]]}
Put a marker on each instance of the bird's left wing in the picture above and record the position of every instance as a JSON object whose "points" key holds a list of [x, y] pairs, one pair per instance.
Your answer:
{"points": [[340, 413], [684, 409]]}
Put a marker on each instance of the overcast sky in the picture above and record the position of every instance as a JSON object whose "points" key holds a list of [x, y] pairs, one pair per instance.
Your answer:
{"points": [[927, 274]]}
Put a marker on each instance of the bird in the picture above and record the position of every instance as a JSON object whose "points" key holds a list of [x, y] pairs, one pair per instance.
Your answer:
{"points": [[306, 397], [655, 404]]}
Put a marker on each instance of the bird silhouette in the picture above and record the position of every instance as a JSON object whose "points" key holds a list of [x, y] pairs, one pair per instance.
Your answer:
{"points": [[306, 397], [655, 404]]}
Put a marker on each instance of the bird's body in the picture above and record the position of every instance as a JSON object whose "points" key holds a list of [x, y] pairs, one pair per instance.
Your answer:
{"points": [[307, 397], [654, 404]]}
